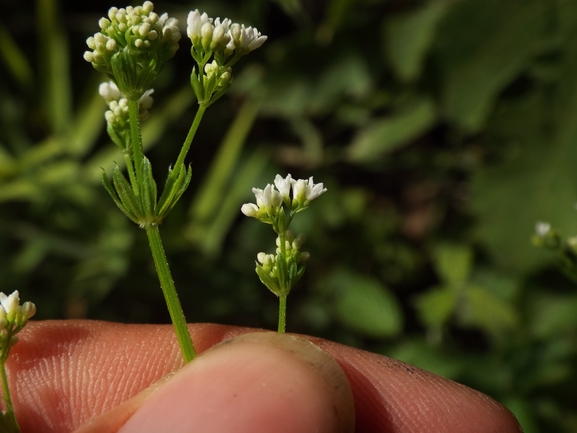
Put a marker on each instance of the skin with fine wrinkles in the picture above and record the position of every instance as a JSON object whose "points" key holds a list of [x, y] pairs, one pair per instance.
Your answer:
{"points": [[65, 373]]}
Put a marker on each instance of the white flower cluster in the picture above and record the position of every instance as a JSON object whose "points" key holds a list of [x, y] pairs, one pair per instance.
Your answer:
{"points": [[542, 228], [269, 200], [117, 113], [136, 27], [268, 264], [222, 35], [14, 316]]}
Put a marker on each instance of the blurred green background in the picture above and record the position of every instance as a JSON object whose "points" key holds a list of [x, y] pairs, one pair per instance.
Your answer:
{"points": [[444, 130]]}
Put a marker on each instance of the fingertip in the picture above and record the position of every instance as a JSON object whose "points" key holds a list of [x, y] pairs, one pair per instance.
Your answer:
{"points": [[254, 383]]}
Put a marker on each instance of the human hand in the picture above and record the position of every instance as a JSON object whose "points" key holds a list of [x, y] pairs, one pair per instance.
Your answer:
{"points": [[88, 376]]}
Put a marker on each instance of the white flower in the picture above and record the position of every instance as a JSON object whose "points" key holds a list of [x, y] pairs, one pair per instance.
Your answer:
{"points": [[246, 39], [11, 302], [211, 68], [118, 104], [268, 201], [306, 190], [109, 91], [249, 209], [542, 228], [267, 197], [266, 259], [220, 34], [194, 22], [283, 185], [170, 29]]}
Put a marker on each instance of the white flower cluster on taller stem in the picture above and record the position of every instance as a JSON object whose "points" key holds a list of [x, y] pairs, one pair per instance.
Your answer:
{"points": [[138, 28], [132, 45], [222, 41]]}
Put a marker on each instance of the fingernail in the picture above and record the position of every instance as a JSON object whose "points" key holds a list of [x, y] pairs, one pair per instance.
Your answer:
{"points": [[254, 383]]}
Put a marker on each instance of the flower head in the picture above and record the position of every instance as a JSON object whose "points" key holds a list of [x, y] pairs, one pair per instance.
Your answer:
{"points": [[131, 46], [221, 35], [284, 185], [269, 201], [305, 191], [10, 303], [542, 228], [117, 113], [14, 316]]}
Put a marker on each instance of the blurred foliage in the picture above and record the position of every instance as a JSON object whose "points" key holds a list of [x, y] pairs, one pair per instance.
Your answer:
{"points": [[444, 130]]}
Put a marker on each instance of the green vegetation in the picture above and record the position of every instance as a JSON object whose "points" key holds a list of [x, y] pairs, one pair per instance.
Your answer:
{"points": [[443, 130]]}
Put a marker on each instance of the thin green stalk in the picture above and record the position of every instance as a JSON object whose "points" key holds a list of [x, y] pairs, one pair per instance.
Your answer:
{"points": [[189, 138], [6, 395], [130, 170], [282, 314], [283, 283], [170, 295], [136, 141]]}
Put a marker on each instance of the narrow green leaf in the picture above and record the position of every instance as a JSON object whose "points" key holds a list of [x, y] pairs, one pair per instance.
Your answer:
{"points": [[175, 187], [409, 36], [436, 306], [364, 304], [453, 262], [87, 123], [477, 63], [55, 65], [149, 190], [209, 197], [384, 135], [15, 60], [490, 313], [127, 197], [267, 280], [110, 189], [209, 235], [536, 182]]}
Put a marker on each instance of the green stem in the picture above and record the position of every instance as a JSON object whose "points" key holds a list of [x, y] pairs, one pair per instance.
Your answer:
{"points": [[189, 138], [136, 141], [170, 295], [282, 314], [6, 395], [130, 170], [283, 283]]}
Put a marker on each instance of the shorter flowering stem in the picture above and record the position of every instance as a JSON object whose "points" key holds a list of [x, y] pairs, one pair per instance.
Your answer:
{"points": [[282, 314], [170, 295], [6, 395]]}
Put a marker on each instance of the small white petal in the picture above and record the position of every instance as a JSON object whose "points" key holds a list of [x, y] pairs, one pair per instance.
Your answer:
{"points": [[10, 302], [283, 185], [249, 209], [542, 228]]}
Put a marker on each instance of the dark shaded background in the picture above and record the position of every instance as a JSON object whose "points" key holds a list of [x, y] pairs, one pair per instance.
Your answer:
{"points": [[444, 130]]}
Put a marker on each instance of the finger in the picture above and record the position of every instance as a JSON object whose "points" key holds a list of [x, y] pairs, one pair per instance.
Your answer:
{"points": [[65, 373], [256, 383], [392, 396]]}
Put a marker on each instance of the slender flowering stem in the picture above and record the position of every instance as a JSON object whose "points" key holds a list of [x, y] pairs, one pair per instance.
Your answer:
{"points": [[170, 295], [283, 280], [189, 138], [130, 170], [6, 395], [136, 141], [282, 314]]}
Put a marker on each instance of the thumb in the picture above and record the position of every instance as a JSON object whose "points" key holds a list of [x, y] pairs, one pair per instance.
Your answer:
{"points": [[254, 383]]}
